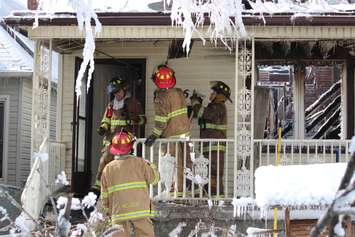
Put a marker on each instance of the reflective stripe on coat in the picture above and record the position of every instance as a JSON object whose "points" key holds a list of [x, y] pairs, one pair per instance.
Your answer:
{"points": [[124, 188], [171, 120]]}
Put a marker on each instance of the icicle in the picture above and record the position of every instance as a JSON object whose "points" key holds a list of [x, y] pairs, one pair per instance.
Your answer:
{"points": [[235, 205], [210, 204], [221, 26], [84, 13]]}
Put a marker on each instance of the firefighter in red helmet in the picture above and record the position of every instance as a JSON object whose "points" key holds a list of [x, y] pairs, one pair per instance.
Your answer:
{"points": [[171, 120], [123, 112], [124, 188], [213, 124]]}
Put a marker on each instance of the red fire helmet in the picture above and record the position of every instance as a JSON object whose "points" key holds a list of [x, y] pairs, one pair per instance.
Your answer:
{"points": [[164, 77], [122, 143]]}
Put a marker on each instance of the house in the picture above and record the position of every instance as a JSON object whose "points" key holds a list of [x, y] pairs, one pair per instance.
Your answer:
{"points": [[138, 41], [16, 69]]}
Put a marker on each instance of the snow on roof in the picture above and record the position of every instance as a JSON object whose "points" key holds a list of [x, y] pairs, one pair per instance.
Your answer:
{"points": [[105, 6], [297, 185], [146, 6], [13, 58], [7, 6]]}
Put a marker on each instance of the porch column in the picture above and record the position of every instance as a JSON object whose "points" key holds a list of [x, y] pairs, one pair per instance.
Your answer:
{"points": [[350, 100], [299, 101], [41, 90], [244, 117]]}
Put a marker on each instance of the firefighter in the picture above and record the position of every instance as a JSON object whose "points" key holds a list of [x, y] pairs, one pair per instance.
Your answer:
{"points": [[213, 124], [124, 188], [122, 112], [171, 120]]}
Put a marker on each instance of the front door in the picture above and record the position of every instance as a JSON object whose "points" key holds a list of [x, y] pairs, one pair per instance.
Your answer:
{"points": [[82, 120]]}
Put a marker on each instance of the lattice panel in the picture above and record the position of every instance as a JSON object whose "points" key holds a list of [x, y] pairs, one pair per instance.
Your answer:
{"points": [[41, 92]]}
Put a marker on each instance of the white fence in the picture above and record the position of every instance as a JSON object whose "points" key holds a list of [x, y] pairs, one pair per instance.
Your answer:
{"points": [[237, 177]]}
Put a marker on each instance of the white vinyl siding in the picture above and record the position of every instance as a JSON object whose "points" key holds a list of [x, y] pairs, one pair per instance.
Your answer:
{"points": [[24, 146], [4, 124], [10, 87], [68, 66]]}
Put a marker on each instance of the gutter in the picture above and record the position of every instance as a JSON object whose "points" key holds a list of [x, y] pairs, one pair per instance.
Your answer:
{"points": [[160, 19], [7, 74]]}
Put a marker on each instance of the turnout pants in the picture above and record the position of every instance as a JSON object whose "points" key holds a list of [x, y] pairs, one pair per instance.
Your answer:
{"points": [[142, 228]]}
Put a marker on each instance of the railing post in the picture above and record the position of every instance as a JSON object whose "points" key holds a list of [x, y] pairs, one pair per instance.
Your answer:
{"points": [[244, 118]]}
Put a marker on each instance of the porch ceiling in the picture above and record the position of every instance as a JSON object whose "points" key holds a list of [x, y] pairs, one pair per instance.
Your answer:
{"points": [[67, 46], [168, 32]]}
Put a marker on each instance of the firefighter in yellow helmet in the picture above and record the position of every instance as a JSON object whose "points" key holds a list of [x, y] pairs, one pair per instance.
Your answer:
{"points": [[213, 124], [124, 188], [123, 112], [171, 120]]}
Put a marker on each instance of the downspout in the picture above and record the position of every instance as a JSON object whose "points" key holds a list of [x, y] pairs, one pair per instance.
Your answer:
{"points": [[49, 88]]}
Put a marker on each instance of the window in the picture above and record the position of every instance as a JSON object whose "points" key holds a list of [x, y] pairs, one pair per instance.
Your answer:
{"points": [[305, 101]]}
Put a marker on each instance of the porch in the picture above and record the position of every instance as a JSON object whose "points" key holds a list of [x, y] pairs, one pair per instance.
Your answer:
{"points": [[247, 146], [250, 142]]}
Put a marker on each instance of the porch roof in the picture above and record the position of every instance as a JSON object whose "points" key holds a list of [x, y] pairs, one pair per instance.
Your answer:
{"points": [[27, 18], [157, 25]]}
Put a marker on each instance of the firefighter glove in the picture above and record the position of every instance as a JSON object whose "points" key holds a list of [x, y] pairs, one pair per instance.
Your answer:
{"points": [[102, 129], [150, 140], [196, 98]]}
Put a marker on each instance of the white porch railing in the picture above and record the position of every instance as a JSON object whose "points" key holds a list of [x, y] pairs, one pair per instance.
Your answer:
{"points": [[190, 148], [236, 178], [297, 152]]}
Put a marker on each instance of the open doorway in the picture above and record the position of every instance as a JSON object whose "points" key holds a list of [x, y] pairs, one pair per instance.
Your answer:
{"points": [[87, 144]]}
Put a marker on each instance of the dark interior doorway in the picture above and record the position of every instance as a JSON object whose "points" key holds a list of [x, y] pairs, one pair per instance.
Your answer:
{"points": [[87, 144]]}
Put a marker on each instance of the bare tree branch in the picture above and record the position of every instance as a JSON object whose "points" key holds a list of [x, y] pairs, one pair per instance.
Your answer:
{"points": [[330, 217]]}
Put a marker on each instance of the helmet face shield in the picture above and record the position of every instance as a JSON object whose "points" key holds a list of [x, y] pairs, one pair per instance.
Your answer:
{"points": [[111, 89], [116, 84]]}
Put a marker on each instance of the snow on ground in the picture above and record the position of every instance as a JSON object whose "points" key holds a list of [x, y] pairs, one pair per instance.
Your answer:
{"points": [[297, 185]]}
